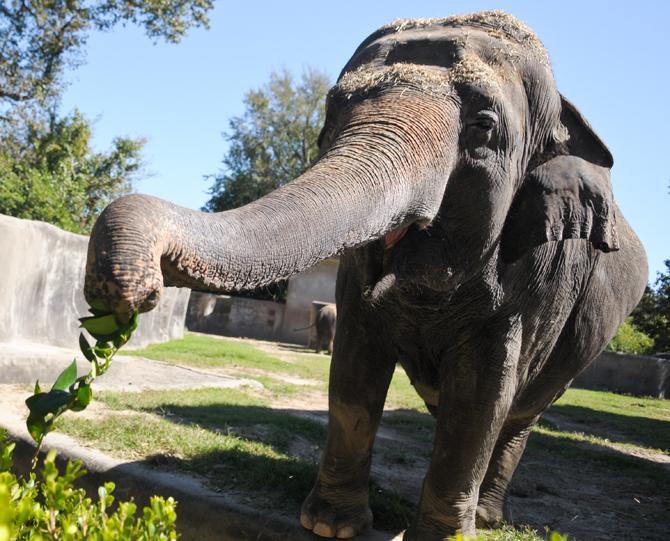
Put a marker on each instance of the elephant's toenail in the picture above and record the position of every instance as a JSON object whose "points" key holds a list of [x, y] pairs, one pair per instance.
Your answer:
{"points": [[346, 532], [322, 529], [306, 521]]}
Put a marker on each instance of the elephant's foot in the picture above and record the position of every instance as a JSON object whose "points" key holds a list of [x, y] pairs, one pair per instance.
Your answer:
{"points": [[491, 514], [339, 515], [490, 517], [438, 520], [437, 532]]}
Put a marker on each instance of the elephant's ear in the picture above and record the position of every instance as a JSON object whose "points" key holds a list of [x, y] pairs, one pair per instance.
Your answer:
{"points": [[583, 141], [569, 196]]}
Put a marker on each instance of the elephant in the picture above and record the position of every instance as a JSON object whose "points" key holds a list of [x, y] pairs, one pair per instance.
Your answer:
{"points": [[326, 320], [480, 247]]}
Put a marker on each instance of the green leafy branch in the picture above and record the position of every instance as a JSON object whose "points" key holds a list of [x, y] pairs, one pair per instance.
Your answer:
{"points": [[73, 393], [48, 505]]}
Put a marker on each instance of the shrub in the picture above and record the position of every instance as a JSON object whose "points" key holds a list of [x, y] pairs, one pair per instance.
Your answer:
{"points": [[628, 339], [50, 507]]}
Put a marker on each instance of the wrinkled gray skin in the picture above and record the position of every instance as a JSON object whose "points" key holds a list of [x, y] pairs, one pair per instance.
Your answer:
{"points": [[481, 248], [326, 320]]}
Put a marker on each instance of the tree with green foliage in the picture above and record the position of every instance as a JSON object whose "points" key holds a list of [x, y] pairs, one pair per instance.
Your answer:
{"points": [[48, 168], [274, 141], [40, 38], [629, 339], [652, 314], [51, 173]]}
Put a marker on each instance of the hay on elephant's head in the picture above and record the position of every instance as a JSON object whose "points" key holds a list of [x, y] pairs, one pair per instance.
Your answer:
{"points": [[497, 23], [438, 81]]}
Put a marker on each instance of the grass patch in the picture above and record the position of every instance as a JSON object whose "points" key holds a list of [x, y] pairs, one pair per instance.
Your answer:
{"points": [[229, 457], [402, 395], [510, 533], [229, 411], [230, 461], [625, 419], [205, 352]]}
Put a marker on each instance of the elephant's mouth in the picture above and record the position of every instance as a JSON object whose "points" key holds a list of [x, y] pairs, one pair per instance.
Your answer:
{"points": [[381, 276], [390, 239]]}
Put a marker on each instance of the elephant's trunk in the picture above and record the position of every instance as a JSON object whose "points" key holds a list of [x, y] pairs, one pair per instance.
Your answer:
{"points": [[379, 175]]}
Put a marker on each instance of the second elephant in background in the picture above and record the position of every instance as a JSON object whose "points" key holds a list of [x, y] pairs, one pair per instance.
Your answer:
{"points": [[326, 318]]}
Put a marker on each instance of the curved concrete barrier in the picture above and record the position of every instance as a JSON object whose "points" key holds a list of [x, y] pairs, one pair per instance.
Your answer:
{"points": [[638, 375], [41, 289]]}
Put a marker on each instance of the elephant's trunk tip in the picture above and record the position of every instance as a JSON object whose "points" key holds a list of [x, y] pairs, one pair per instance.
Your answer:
{"points": [[123, 261]]}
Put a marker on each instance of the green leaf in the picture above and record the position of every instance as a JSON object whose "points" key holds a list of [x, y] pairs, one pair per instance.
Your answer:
{"points": [[86, 348], [54, 402], [122, 339], [100, 305], [100, 325], [66, 378], [102, 349], [38, 389], [83, 397], [134, 322], [37, 426]]}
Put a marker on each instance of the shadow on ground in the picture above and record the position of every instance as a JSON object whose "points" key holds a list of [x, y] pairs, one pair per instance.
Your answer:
{"points": [[588, 490], [643, 431]]}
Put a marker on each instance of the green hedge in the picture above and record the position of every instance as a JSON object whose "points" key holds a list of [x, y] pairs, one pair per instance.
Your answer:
{"points": [[47, 506]]}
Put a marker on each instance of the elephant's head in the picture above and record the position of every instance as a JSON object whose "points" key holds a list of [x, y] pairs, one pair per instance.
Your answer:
{"points": [[447, 125]]}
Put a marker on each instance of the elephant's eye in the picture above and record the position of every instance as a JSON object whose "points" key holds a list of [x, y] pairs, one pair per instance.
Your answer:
{"points": [[485, 120]]}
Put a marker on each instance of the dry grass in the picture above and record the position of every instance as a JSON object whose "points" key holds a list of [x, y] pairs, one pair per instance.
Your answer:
{"points": [[470, 69], [435, 80], [497, 23]]}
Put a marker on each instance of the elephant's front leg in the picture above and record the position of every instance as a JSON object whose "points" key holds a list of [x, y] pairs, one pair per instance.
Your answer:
{"points": [[476, 393], [360, 374]]}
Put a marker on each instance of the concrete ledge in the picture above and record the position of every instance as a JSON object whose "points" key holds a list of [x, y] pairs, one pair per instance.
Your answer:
{"points": [[26, 364], [202, 513], [631, 374]]}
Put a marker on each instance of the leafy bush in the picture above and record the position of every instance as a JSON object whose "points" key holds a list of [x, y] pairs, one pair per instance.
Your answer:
{"points": [[628, 339], [52, 508]]}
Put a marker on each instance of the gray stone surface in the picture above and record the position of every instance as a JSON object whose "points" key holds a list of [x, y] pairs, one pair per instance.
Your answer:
{"points": [[315, 284], [41, 290], [631, 374]]}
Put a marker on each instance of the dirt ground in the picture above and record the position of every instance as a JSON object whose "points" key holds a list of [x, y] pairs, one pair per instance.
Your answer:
{"points": [[589, 491]]}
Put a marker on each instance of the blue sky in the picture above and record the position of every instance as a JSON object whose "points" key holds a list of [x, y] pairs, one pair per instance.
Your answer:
{"points": [[610, 59]]}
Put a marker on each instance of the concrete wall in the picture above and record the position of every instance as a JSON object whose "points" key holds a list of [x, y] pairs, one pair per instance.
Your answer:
{"points": [[266, 320], [315, 284], [234, 316], [631, 374], [41, 289]]}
